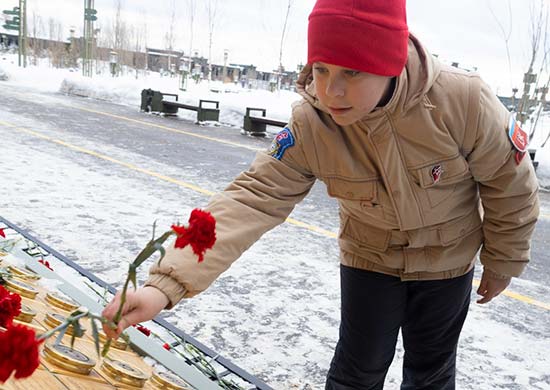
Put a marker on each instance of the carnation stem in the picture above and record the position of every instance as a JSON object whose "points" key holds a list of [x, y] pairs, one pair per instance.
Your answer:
{"points": [[67, 322], [118, 314]]}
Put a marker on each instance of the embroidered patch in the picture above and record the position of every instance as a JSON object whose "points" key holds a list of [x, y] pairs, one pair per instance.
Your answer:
{"points": [[519, 138], [281, 142], [437, 171], [519, 156]]}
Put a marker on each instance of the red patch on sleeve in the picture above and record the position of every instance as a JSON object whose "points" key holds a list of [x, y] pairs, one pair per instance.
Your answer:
{"points": [[519, 156], [519, 138]]}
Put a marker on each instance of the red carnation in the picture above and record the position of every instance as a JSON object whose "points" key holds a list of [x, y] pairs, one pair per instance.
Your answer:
{"points": [[45, 263], [167, 346], [200, 234], [143, 330], [2, 233], [10, 306], [19, 351]]}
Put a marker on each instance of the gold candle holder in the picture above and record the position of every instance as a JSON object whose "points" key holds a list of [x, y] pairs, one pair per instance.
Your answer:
{"points": [[27, 314], [21, 288], [23, 273], [61, 302], [124, 373], [119, 343], [68, 358], [169, 381], [53, 320]]}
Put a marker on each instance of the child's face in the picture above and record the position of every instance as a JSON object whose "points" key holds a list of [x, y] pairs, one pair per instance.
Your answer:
{"points": [[348, 94]]}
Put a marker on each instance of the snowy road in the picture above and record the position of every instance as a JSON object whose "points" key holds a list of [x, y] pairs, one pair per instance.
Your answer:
{"points": [[89, 178]]}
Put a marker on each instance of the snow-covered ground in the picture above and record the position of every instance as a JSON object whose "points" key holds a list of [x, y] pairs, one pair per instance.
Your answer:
{"points": [[232, 97], [127, 90], [278, 319]]}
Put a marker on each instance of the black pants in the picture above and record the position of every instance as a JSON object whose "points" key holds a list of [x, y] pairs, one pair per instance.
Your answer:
{"points": [[374, 307]]}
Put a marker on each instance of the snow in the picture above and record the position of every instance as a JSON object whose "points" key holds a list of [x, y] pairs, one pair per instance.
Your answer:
{"points": [[127, 90], [232, 97], [277, 319]]}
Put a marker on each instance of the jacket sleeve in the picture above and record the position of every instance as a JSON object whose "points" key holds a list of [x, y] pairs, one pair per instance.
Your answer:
{"points": [[508, 191], [256, 201]]}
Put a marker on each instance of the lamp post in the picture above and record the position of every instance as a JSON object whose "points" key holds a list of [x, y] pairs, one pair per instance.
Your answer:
{"points": [[225, 58], [97, 31], [90, 16], [113, 61], [184, 71], [17, 20]]}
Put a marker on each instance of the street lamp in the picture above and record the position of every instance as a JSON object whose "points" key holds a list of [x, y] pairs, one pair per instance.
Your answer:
{"points": [[184, 71], [113, 61], [96, 33]]}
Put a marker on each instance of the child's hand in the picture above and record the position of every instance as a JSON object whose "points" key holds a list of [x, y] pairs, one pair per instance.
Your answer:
{"points": [[490, 287], [141, 305]]}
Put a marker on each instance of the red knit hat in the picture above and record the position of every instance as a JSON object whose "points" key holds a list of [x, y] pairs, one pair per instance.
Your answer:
{"points": [[365, 35]]}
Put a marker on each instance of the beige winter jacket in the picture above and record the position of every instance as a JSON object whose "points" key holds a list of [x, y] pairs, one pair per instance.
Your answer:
{"points": [[409, 178]]}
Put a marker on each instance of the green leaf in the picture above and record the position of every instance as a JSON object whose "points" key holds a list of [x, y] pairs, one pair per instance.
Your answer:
{"points": [[106, 347], [150, 248], [75, 313], [162, 251], [125, 337], [154, 228], [60, 335], [132, 277], [77, 331], [95, 335]]}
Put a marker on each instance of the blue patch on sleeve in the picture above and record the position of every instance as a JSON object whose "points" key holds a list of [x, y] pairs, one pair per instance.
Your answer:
{"points": [[281, 142]]}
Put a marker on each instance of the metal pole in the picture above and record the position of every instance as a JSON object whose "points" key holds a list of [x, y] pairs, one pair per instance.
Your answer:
{"points": [[87, 64], [22, 52], [85, 56]]}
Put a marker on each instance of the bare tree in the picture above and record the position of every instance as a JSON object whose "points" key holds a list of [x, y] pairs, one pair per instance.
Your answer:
{"points": [[544, 89], [37, 29], [145, 29], [212, 10], [119, 28], [280, 70], [191, 9], [506, 33], [120, 36], [539, 16], [56, 48], [138, 55], [170, 36]]}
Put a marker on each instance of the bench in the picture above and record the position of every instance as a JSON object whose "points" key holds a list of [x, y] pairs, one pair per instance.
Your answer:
{"points": [[256, 125], [153, 101]]}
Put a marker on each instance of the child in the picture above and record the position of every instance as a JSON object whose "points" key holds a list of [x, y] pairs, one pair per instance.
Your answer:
{"points": [[428, 169]]}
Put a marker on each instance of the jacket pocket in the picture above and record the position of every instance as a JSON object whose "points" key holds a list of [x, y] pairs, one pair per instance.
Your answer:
{"points": [[460, 227], [439, 179], [361, 190], [365, 236]]}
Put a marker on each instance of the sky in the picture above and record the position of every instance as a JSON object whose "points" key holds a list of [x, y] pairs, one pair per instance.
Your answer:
{"points": [[464, 31]]}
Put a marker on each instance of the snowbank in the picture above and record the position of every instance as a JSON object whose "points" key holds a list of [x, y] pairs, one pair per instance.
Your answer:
{"points": [[233, 99]]}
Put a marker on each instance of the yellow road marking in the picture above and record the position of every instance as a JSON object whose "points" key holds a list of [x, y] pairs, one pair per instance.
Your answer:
{"points": [[221, 141], [519, 297], [313, 228], [110, 159], [181, 183], [167, 128]]}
